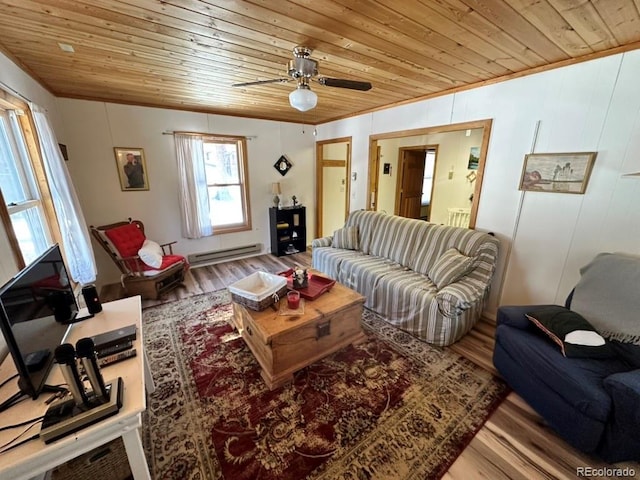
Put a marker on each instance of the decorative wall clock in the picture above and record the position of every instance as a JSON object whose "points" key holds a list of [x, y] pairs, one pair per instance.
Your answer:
{"points": [[283, 165]]}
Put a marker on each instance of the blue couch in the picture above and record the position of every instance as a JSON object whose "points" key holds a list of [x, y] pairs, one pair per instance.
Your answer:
{"points": [[593, 403]]}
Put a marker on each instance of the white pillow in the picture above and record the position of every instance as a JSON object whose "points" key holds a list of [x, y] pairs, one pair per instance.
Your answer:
{"points": [[151, 253]]}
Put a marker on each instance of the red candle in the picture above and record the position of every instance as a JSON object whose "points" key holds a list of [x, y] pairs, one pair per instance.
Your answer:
{"points": [[293, 299]]}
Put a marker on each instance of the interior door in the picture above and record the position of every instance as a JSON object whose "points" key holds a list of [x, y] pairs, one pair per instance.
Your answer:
{"points": [[333, 169], [373, 180], [409, 201]]}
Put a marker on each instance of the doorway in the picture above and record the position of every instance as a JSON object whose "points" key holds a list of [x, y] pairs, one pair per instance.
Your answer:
{"points": [[461, 151], [333, 184], [414, 190]]}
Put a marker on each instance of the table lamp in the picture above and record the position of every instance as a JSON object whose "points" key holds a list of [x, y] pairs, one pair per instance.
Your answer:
{"points": [[275, 190]]}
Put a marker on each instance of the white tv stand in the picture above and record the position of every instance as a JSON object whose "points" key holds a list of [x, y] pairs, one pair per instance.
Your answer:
{"points": [[35, 458]]}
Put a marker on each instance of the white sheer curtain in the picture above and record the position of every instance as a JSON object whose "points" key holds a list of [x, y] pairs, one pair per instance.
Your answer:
{"points": [[194, 196], [76, 243]]}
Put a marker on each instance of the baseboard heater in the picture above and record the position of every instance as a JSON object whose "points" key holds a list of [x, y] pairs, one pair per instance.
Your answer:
{"points": [[224, 254]]}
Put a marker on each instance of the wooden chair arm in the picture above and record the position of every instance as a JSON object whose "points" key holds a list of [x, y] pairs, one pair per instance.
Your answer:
{"points": [[127, 261], [168, 245]]}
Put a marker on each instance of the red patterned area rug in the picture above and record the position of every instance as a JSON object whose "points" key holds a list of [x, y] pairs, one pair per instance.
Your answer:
{"points": [[392, 407]]}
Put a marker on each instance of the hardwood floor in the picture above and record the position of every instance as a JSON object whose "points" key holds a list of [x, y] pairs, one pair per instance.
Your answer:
{"points": [[513, 444]]}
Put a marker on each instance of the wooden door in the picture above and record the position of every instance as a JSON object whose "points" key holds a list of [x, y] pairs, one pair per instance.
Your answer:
{"points": [[374, 171], [411, 179]]}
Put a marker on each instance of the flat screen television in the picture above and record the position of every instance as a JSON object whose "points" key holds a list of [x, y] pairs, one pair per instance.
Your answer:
{"points": [[36, 307]]}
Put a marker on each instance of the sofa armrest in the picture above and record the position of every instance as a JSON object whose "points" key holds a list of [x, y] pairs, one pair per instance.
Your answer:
{"points": [[514, 315], [322, 242], [624, 388], [457, 297]]}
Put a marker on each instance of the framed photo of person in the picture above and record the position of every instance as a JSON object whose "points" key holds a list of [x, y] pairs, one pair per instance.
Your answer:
{"points": [[132, 169]]}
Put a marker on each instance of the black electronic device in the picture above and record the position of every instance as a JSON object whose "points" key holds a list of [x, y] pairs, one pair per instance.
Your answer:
{"points": [[113, 349], [36, 307], [65, 417], [91, 299], [114, 338], [116, 357]]}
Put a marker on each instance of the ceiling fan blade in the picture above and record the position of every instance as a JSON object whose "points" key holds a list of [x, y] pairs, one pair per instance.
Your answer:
{"points": [[341, 83], [261, 82]]}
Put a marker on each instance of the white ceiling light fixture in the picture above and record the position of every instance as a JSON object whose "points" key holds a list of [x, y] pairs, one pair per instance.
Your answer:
{"points": [[303, 98], [303, 69]]}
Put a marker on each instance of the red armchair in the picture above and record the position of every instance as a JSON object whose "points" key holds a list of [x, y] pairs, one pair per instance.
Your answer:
{"points": [[149, 271]]}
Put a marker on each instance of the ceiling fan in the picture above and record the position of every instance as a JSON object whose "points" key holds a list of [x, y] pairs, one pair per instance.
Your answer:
{"points": [[303, 69]]}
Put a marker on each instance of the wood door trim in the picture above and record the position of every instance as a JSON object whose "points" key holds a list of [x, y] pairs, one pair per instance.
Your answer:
{"points": [[320, 163], [334, 163], [454, 127], [401, 150]]}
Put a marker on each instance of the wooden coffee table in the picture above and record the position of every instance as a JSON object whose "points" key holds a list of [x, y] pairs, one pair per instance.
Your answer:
{"points": [[285, 344]]}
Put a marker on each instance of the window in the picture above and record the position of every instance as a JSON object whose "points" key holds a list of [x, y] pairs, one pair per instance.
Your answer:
{"points": [[427, 181], [20, 190], [226, 175]]}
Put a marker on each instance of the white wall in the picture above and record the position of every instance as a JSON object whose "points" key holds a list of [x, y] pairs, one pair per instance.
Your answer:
{"points": [[95, 128], [591, 106]]}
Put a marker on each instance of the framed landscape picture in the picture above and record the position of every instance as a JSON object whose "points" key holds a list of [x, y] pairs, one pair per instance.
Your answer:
{"points": [[474, 158], [557, 172], [132, 169]]}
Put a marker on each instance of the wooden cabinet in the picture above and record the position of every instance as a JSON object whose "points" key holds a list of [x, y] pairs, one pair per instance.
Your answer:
{"points": [[288, 229]]}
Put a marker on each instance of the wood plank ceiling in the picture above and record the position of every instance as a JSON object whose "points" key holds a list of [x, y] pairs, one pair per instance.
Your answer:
{"points": [[186, 54]]}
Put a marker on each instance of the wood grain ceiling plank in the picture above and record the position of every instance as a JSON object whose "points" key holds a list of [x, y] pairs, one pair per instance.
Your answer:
{"points": [[351, 39], [460, 13], [142, 24], [510, 21], [132, 81], [586, 20], [415, 18], [263, 36], [126, 45], [547, 19], [622, 18], [371, 17], [223, 77]]}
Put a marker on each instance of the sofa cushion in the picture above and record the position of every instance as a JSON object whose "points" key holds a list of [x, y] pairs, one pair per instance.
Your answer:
{"points": [[127, 239], [450, 267], [362, 273], [438, 239], [395, 238], [366, 222], [346, 237], [571, 332], [328, 259], [579, 381]]}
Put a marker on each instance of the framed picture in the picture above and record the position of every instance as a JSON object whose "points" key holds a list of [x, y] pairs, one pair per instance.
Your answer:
{"points": [[132, 169], [557, 172], [474, 158], [283, 165]]}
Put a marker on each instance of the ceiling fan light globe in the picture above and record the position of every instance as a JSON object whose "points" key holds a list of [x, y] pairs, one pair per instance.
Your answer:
{"points": [[303, 99]]}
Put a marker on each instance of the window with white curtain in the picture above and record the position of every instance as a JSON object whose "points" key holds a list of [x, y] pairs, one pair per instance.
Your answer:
{"points": [[20, 190], [225, 162]]}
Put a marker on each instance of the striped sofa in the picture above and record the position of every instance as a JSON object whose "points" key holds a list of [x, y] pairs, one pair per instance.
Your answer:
{"points": [[389, 260]]}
